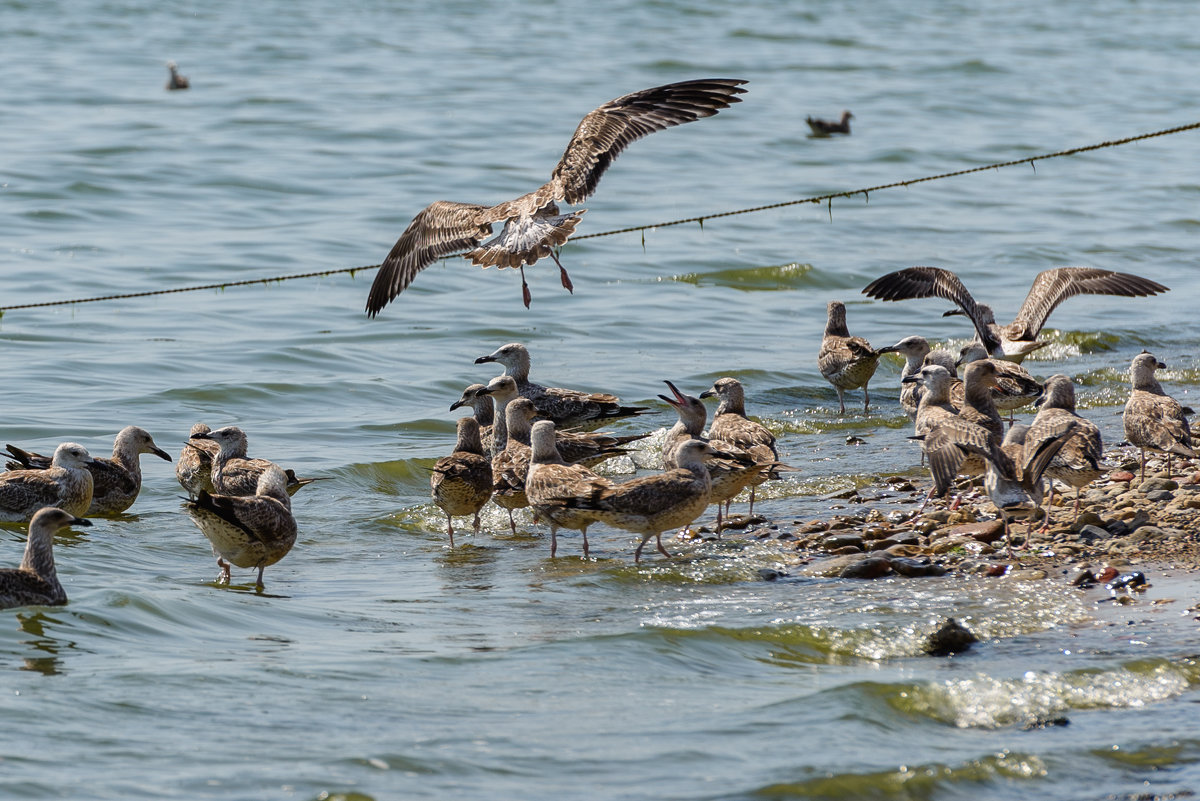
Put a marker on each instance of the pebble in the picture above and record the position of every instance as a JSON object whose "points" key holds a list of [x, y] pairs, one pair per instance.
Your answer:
{"points": [[951, 638]]}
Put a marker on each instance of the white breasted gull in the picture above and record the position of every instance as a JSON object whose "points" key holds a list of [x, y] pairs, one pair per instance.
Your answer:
{"points": [[533, 225], [66, 484], [846, 362], [116, 482], [248, 530], [35, 582], [193, 468], [1153, 419], [1019, 338], [461, 483], [566, 407], [822, 128], [551, 482], [233, 473]]}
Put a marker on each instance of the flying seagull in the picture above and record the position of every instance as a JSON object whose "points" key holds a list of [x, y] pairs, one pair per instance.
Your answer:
{"points": [[1019, 338], [533, 225]]}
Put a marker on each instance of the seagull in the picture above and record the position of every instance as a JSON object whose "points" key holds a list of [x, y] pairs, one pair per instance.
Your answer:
{"points": [[1018, 339], [484, 412], [510, 465], [822, 128], [233, 473], [193, 470], [1015, 387], [176, 81], [1153, 419], [533, 225], [248, 530], [462, 482], [66, 484], [35, 582], [566, 407], [116, 482], [1078, 463], [730, 425], [846, 362], [550, 480]]}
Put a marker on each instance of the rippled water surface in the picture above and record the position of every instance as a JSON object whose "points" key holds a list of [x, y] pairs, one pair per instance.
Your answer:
{"points": [[380, 664]]}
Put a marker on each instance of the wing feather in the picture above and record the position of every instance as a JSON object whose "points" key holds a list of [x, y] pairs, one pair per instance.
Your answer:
{"points": [[931, 282], [1052, 287]]}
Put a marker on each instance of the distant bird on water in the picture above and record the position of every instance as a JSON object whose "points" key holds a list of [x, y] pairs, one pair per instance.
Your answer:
{"points": [[845, 361], [1018, 339], [35, 582], [822, 128], [1153, 419], [176, 81], [533, 225]]}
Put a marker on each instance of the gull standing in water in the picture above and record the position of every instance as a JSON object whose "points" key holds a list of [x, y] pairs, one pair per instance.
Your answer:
{"points": [[730, 425], [533, 225], [66, 484], [1018, 339], [1153, 419], [193, 469], [35, 582], [462, 482], [235, 474], [846, 362], [551, 482], [116, 482], [566, 407]]}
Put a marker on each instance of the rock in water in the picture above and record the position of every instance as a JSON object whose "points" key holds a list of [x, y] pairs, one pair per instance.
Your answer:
{"points": [[951, 638]]}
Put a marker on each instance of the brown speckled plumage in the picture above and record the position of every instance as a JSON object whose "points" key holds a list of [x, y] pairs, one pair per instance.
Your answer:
{"points": [[248, 530], [35, 582], [847, 362], [193, 468], [235, 474], [461, 483], [1077, 464], [1153, 419], [551, 482], [533, 225], [66, 484], [731, 425], [484, 412], [565, 407]]}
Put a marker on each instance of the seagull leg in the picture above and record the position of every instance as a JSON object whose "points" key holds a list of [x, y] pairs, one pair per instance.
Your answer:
{"points": [[562, 274], [224, 577], [661, 549], [637, 555], [259, 583], [477, 524], [841, 401], [583, 531], [525, 295], [450, 529], [553, 540], [866, 398]]}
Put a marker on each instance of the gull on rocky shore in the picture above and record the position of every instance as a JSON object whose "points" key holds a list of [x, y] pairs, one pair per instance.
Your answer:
{"points": [[1153, 419]]}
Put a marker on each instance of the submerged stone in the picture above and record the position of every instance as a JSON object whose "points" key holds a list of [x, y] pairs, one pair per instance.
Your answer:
{"points": [[951, 638]]}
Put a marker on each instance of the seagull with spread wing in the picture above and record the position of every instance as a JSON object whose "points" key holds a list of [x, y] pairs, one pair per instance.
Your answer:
{"points": [[533, 224], [1018, 339]]}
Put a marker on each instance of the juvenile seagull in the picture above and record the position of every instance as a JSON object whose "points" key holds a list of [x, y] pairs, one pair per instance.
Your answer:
{"points": [[586, 448], [35, 582], [653, 504], [510, 466], [550, 482], [846, 362], [248, 530], [233, 473], [1019, 338], [193, 469], [1078, 463], [729, 474], [484, 412], [566, 407], [66, 484], [533, 225], [935, 404], [1015, 387], [1153, 419], [116, 482], [730, 425], [1018, 493], [462, 482], [822, 128], [176, 81]]}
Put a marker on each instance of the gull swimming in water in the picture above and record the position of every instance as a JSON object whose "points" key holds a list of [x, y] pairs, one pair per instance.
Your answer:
{"points": [[248, 530], [176, 81], [1153, 419], [551, 481], [35, 582], [822, 128], [116, 482], [1018, 339], [533, 225], [845, 361], [235, 474], [566, 407], [66, 484], [650, 505], [193, 469], [462, 482]]}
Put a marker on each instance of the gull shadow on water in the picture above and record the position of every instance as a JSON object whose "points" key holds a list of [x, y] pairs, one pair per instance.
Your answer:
{"points": [[48, 662], [242, 589], [468, 567]]}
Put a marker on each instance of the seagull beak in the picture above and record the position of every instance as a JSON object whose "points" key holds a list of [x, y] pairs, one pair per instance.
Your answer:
{"points": [[79, 521], [911, 379], [485, 359], [708, 393], [201, 435], [160, 452]]}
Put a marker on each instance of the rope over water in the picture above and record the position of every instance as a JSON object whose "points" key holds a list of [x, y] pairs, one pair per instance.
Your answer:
{"points": [[828, 199]]}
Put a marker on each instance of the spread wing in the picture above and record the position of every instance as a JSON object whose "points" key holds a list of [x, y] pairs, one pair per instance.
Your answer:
{"points": [[605, 132], [441, 229], [932, 282], [1052, 287]]}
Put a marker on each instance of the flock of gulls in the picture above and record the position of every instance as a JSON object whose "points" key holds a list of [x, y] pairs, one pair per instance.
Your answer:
{"points": [[526, 445]]}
